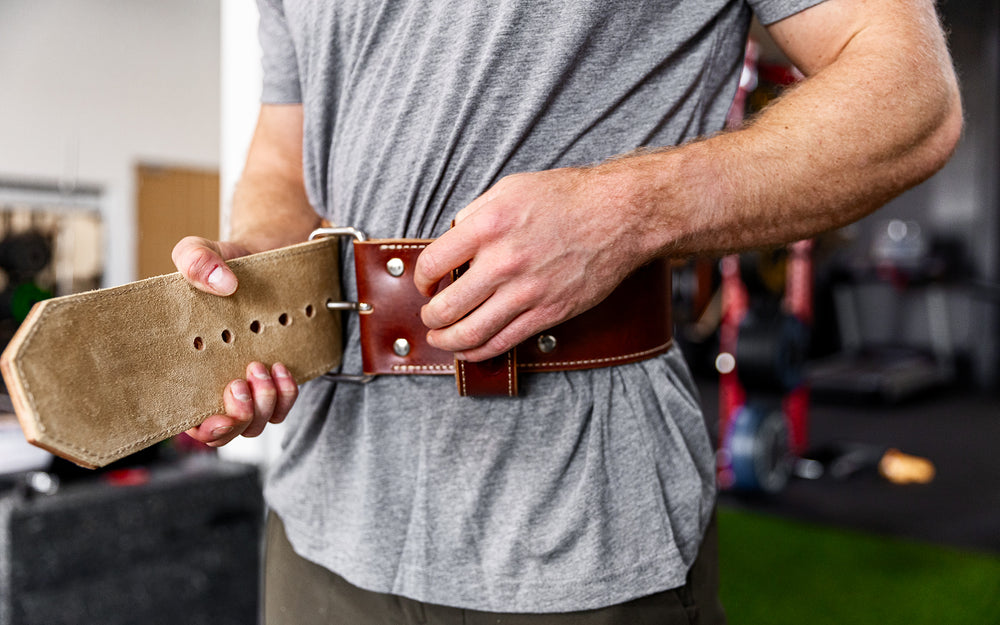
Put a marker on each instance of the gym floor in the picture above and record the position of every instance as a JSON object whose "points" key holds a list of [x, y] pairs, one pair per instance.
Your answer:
{"points": [[957, 430]]}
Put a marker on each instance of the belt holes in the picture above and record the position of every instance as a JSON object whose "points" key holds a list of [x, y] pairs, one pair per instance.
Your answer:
{"points": [[198, 343], [227, 336], [283, 319], [309, 310], [255, 326]]}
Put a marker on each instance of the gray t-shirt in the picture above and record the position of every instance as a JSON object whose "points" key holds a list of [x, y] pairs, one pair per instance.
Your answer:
{"points": [[593, 487]]}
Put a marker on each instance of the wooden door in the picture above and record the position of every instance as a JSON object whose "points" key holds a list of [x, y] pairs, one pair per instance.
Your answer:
{"points": [[172, 202]]}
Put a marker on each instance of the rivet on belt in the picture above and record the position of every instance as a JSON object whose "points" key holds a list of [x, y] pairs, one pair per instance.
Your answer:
{"points": [[401, 347], [395, 267], [546, 343]]}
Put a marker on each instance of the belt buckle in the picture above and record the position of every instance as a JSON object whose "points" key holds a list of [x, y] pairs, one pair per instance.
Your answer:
{"points": [[344, 231]]}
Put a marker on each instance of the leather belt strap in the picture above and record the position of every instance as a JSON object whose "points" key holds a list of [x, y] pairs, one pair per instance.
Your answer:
{"points": [[97, 376], [632, 324]]}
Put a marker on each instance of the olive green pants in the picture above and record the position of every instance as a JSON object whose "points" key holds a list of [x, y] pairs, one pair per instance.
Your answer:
{"points": [[299, 592]]}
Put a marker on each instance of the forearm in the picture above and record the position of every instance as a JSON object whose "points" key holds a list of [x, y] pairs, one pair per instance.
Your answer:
{"points": [[880, 118], [270, 211], [270, 206], [878, 113]]}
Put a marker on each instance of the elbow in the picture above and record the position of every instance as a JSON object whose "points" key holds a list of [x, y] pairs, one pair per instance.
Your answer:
{"points": [[952, 125], [945, 133]]}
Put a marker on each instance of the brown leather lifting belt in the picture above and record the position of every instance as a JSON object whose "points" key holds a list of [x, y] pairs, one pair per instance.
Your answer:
{"points": [[96, 376], [631, 324]]}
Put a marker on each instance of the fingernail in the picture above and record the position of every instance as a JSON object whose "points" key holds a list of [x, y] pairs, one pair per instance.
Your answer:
{"points": [[220, 432], [460, 356], [241, 391], [280, 371], [222, 280], [259, 371]]}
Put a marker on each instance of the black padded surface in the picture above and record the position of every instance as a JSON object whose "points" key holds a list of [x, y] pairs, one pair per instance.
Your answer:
{"points": [[182, 548]]}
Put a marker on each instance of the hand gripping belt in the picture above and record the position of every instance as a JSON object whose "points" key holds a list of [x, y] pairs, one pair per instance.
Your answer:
{"points": [[96, 376]]}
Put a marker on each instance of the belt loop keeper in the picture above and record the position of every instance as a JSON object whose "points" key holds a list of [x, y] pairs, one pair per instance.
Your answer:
{"points": [[494, 377]]}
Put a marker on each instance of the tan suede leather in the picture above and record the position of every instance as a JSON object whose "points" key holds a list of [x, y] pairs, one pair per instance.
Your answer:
{"points": [[99, 375]]}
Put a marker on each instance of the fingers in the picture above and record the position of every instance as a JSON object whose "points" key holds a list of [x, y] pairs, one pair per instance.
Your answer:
{"points": [[516, 332], [496, 326], [452, 249], [203, 263], [473, 312], [474, 240], [217, 430], [457, 300], [288, 391], [200, 262], [264, 397]]}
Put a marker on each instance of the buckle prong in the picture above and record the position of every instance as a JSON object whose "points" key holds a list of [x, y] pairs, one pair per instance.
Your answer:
{"points": [[355, 306], [342, 231], [361, 307]]}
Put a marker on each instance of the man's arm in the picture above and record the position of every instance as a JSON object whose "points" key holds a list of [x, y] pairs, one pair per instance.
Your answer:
{"points": [[878, 113], [270, 209]]}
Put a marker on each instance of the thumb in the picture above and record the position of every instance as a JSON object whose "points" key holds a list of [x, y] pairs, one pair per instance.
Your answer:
{"points": [[201, 262]]}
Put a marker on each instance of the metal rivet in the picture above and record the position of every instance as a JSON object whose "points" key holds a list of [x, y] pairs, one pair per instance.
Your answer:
{"points": [[546, 343], [401, 347], [394, 267]]}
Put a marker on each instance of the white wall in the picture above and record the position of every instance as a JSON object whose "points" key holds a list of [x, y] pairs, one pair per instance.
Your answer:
{"points": [[88, 88], [240, 98]]}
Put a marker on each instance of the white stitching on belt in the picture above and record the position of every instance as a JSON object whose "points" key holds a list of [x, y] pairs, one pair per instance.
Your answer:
{"points": [[510, 373], [594, 361], [447, 368], [396, 246]]}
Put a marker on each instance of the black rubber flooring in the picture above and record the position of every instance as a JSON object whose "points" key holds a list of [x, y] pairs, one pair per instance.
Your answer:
{"points": [[959, 431]]}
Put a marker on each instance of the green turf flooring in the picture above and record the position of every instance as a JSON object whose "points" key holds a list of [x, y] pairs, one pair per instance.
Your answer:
{"points": [[780, 572]]}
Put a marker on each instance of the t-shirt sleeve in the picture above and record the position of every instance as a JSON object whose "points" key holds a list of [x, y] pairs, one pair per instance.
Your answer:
{"points": [[771, 11], [279, 61]]}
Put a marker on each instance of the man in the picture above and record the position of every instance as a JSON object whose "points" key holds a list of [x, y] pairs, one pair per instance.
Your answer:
{"points": [[587, 498]]}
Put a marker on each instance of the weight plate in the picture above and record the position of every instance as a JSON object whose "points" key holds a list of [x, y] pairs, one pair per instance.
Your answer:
{"points": [[757, 450]]}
